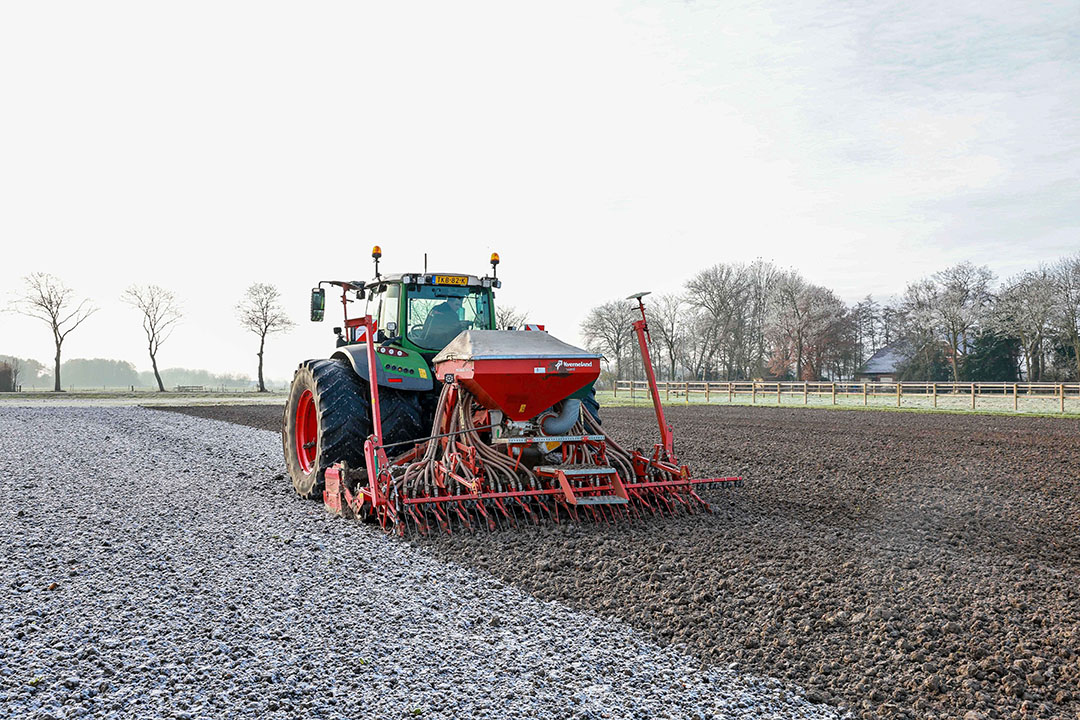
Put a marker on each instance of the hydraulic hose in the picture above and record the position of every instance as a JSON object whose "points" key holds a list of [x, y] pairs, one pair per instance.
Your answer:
{"points": [[563, 422]]}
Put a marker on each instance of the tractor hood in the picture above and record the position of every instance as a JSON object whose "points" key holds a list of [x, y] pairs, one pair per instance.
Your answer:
{"points": [[519, 372]]}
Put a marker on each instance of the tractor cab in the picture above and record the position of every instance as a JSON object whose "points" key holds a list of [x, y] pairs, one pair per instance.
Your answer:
{"points": [[426, 311], [416, 312]]}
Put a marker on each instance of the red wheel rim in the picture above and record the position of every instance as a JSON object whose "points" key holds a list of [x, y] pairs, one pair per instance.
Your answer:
{"points": [[307, 431]]}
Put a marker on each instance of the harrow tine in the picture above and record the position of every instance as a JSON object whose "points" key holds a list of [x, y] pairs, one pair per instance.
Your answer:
{"points": [[461, 514], [420, 522], [704, 504], [541, 502], [677, 497], [490, 520], [552, 508], [443, 520], [529, 513], [664, 503], [642, 501], [571, 511], [502, 509], [512, 507]]}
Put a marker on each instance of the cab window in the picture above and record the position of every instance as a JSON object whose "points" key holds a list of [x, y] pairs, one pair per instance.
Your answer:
{"points": [[438, 313]]}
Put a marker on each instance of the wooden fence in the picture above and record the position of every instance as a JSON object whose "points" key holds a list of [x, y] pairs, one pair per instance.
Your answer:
{"points": [[1050, 396]]}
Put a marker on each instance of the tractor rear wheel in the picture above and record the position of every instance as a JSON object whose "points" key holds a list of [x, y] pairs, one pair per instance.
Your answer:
{"points": [[328, 418]]}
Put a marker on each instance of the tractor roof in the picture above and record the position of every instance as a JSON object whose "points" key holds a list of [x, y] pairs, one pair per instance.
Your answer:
{"points": [[429, 279]]}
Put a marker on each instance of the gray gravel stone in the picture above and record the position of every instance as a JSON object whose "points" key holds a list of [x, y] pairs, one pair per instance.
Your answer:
{"points": [[189, 581]]}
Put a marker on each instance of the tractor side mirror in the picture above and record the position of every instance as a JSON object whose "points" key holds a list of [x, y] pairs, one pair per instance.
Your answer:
{"points": [[391, 327], [318, 304]]}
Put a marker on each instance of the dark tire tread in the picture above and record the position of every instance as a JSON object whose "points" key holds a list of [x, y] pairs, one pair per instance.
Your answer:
{"points": [[343, 404]]}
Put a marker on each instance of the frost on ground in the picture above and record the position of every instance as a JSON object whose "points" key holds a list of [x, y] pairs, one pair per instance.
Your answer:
{"points": [[159, 566]]}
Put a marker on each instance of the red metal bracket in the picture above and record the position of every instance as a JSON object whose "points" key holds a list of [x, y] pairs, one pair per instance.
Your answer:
{"points": [[641, 328]]}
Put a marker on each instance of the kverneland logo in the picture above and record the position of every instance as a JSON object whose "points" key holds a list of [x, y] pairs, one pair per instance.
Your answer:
{"points": [[569, 365]]}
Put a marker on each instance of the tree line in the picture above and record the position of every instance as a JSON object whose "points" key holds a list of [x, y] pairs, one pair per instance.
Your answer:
{"points": [[101, 372], [738, 321], [45, 297]]}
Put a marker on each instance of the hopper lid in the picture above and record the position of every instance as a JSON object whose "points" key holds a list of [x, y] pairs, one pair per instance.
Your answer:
{"points": [[509, 344]]}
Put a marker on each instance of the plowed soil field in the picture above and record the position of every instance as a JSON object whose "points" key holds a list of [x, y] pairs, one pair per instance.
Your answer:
{"points": [[898, 564]]}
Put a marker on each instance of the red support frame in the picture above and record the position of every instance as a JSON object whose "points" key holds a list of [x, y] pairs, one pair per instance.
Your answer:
{"points": [[667, 437]]}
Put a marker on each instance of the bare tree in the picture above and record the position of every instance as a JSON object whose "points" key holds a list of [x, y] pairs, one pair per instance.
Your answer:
{"points": [[46, 298], [666, 327], [508, 316], [812, 330], [790, 324], [964, 301], [721, 292], [608, 329], [160, 311], [761, 278], [16, 367], [697, 343], [260, 311], [1066, 277], [1024, 309], [952, 304]]}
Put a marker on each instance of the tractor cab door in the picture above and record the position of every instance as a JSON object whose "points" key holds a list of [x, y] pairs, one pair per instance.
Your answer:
{"points": [[382, 305], [388, 310]]}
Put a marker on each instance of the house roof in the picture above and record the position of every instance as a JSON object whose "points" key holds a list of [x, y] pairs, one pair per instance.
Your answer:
{"points": [[887, 359]]}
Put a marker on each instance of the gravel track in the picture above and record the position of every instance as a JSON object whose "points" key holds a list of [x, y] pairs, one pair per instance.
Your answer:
{"points": [[905, 565], [161, 566]]}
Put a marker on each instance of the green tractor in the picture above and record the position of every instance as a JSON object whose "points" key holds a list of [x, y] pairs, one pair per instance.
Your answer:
{"points": [[328, 414]]}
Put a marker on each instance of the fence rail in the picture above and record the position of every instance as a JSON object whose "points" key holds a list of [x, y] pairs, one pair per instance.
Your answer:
{"points": [[994, 395]]}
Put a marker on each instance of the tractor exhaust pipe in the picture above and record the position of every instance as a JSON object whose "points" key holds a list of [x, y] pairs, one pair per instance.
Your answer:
{"points": [[562, 423]]}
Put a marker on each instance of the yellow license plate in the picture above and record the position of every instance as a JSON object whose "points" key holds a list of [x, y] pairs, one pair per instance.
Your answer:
{"points": [[451, 280]]}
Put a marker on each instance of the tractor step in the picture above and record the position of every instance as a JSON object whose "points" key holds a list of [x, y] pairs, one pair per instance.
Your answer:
{"points": [[605, 477], [601, 500], [572, 470], [529, 440]]}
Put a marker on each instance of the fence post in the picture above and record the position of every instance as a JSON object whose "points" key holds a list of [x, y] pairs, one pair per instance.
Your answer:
{"points": [[615, 389], [834, 393], [805, 394], [631, 390], [687, 392], [1061, 392], [1016, 404], [864, 394], [972, 396], [707, 383], [729, 396], [934, 386], [777, 392], [753, 392]]}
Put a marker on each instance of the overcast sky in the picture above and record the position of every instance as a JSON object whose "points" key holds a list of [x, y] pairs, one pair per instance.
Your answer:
{"points": [[601, 148]]}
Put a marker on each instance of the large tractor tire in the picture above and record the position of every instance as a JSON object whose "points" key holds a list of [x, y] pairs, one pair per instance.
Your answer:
{"points": [[328, 417], [592, 405]]}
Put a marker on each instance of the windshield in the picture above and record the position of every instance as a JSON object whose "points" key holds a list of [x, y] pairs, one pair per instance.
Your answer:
{"points": [[438, 313]]}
